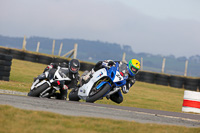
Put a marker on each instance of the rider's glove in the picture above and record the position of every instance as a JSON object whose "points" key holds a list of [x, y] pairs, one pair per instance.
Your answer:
{"points": [[50, 66], [125, 89], [47, 68]]}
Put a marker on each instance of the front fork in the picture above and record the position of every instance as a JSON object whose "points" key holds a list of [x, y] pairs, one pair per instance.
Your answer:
{"points": [[116, 89]]}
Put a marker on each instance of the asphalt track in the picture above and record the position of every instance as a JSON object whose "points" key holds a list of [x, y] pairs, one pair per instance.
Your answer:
{"points": [[101, 110]]}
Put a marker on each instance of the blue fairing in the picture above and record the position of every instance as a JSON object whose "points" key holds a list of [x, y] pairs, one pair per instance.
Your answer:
{"points": [[111, 74]]}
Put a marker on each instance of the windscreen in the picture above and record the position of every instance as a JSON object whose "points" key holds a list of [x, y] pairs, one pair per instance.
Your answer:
{"points": [[63, 72]]}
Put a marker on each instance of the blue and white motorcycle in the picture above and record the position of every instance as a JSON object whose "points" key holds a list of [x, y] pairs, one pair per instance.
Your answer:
{"points": [[103, 83]]}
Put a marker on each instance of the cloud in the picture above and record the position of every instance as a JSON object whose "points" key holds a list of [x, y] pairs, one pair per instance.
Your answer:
{"points": [[111, 21]]}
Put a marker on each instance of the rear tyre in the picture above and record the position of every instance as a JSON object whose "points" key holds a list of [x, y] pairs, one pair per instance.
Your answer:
{"points": [[102, 91], [36, 91]]}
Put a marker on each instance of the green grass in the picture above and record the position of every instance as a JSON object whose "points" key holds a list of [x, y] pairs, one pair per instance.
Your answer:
{"points": [[15, 120], [151, 96], [22, 74]]}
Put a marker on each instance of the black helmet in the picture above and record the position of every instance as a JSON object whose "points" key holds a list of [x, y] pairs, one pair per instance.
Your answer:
{"points": [[74, 65]]}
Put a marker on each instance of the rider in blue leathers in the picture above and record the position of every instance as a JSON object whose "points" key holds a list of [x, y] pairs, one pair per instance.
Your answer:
{"points": [[130, 70]]}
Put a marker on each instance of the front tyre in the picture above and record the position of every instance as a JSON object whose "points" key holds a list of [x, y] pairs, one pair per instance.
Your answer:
{"points": [[99, 94], [36, 91]]}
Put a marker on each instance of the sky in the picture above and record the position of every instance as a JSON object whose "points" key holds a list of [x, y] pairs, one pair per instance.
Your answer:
{"points": [[165, 27]]}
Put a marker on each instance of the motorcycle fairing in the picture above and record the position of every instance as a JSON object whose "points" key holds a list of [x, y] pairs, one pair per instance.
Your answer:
{"points": [[60, 74], [113, 73], [85, 89]]}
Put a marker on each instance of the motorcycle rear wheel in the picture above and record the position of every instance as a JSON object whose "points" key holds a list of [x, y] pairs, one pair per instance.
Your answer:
{"points": [[36, 91], [103, 90]]}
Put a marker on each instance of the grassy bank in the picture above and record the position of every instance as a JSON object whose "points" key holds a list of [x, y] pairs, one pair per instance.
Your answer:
{"points": [[15, 120]]}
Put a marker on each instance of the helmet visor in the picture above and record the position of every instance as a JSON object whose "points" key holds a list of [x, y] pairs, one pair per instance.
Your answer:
{"points": [[134, 70], [74, 69]]}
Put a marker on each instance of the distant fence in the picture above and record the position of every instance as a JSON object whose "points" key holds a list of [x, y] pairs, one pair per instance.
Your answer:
{"points": [[70, 53], [41, 58], [188, 83]]}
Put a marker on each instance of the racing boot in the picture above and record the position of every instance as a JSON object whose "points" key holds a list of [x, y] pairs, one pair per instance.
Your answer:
{"points": [[88, 76]]}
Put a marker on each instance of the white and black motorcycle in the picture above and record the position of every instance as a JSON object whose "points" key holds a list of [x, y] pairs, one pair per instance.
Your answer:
{"points": [[103, 83], [46, 84]]}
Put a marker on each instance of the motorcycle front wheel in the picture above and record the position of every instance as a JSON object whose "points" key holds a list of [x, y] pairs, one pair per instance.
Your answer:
{"points": [[98, 94], [37, 91]]}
